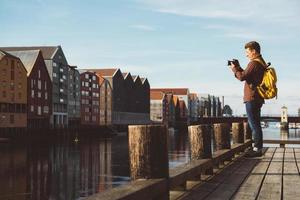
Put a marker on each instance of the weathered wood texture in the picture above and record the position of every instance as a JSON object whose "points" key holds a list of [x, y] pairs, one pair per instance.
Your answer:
{"points": [[222, 136], [237, 133], [148, 151], [200, 142], [247, 131]]}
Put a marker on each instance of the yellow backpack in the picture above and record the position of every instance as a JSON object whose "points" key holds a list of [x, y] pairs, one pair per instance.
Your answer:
{"points": [[267, 88]]}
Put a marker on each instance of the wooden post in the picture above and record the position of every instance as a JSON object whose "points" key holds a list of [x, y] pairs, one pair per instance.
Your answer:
{"points": [[247, 131], [222, 136], [148, 152], [200, 143], [237, 133]]}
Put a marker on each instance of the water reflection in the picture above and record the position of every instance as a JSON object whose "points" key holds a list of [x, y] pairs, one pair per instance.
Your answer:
{"points": [[63, 169]]}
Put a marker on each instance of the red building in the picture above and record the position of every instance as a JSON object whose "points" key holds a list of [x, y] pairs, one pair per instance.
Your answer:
{"points": [[39, 90], [90, 99]]}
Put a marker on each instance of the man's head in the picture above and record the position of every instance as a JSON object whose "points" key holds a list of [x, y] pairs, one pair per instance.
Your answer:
{"points": [[252, 49]]}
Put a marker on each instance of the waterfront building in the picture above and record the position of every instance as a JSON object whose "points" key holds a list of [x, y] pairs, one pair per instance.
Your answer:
{"points": [[58, 69], [13, 92], [74, 96], [90, 99], [39, 88]]}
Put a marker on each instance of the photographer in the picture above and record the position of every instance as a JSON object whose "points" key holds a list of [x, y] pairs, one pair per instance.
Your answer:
{"points": [[252, 75]]}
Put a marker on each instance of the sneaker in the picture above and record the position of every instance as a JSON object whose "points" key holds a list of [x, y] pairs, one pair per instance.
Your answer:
{"points": [[251, 154]]}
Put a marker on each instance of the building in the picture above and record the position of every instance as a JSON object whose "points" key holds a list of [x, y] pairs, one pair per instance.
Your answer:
{"points": [[90, 99], [74, 96], [170, 110], [145, 98], [39, 88], [158, 107], [58, 69], [13, 92], [181, 93], [177, 108], [183, 111], [105, 102], [194, 104], [125, 110]]}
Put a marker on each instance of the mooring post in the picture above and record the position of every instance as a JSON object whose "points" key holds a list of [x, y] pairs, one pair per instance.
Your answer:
{"points": [[200, 143], [247, 131], [148, 152], [222, 136], [237, 133]]}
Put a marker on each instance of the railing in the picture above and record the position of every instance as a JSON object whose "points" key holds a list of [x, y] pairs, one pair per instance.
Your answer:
{"points": [[151, 177]]}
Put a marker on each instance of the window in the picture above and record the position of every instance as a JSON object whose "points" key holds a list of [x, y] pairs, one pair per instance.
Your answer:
{"points": [[94, 78], [32, 108], [86, 84], [61, 100], [45, 85], [46, 109], [39, 110], [12, 72], [39, 95], [32, 93], [86, 76], [46, 95], [82, 84], [39, 84], [64, 77], [54, 64], [39, 73], [31, 81], [61, 70]]}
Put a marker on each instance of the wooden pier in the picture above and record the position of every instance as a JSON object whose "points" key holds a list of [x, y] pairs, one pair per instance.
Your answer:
{"points": [[223, 174]]}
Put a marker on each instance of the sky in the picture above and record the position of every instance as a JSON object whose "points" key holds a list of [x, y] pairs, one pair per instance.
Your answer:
{"points": [[174, 43]]}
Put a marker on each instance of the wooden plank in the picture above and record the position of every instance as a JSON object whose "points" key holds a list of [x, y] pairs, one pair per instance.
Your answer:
{"points": [[250, 188], [232, 183], [291, 178], [281, 142], [209, 186], [271, 188]]}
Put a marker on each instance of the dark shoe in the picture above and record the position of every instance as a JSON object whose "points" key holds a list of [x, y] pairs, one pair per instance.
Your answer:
{"points": [[251, 154]]}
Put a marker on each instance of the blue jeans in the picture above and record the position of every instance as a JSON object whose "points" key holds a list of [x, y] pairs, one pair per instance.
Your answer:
{"points": [[253, 112]]}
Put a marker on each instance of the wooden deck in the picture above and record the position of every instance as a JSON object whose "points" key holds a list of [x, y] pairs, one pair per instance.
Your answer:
{"points": [[272, 176]]}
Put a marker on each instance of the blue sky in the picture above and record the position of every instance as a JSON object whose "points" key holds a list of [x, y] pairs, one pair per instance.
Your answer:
{"points": [[174, 43]]}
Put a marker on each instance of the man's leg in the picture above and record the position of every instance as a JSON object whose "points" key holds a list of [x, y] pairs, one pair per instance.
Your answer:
{"points": [[251, 110], [258, 128]]}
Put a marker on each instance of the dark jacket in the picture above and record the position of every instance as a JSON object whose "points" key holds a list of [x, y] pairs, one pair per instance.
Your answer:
{"points": [[252, 76]]}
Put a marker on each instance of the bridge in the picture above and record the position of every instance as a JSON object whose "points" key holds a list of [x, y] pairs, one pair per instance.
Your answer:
{"points": [[213, 120], [225, 173]]}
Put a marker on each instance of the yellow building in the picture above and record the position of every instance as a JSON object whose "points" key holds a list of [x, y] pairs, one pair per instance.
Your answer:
{"points": [[13, 92]]}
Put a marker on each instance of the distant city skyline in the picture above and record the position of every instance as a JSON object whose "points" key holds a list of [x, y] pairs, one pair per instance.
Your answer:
{"points": [[174, 43]]}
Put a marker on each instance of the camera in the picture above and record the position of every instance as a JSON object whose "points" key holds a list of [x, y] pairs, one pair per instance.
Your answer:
{"points": [[233, 61]]}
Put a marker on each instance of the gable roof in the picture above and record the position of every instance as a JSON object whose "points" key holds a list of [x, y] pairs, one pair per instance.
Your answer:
{"points": [[47, 51], [175, 99], [4, 54], [109, 72], [28, 58], [156, 95], [175, 91]]}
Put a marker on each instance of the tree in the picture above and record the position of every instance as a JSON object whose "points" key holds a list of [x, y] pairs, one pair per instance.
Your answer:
{"points": [[227, 111]]}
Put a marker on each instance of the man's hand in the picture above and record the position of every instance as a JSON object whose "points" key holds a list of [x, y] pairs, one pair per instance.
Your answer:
{"points": [[232, 66]]}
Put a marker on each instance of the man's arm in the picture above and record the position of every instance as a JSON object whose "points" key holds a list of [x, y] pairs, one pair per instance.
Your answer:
{"points": [[241, 74]]}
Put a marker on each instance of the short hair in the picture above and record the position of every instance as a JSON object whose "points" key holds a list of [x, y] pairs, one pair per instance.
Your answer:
{"points": [[253, 45]]}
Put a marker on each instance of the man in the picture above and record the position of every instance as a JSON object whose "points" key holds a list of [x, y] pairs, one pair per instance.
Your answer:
{"points": [[252, 75]]}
